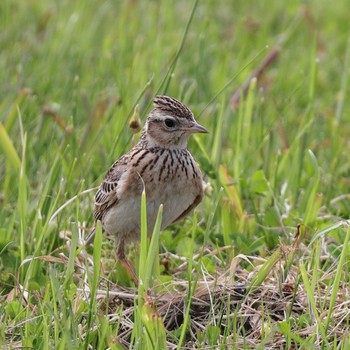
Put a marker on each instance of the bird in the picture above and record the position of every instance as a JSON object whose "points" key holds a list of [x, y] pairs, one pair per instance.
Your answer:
{"points": [[160, 164]]}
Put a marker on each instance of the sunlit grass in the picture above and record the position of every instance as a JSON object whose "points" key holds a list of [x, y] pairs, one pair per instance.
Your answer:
{"points": [[271, 231]]}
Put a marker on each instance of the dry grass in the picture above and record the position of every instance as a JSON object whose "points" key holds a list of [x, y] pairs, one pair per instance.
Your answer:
{"points": [[73, 73], [225, 302], [223, 299]]}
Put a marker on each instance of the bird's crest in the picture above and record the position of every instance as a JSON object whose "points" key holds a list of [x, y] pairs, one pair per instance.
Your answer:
{"points": [[173, 106]]}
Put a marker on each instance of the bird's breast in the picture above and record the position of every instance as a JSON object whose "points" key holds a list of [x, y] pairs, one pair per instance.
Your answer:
{"points": [[174, 181], [169, 177]]}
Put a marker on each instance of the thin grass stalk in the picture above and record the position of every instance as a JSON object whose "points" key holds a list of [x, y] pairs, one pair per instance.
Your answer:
{"points": [[202, 147], [154, 330], [315, 265], [23, 201], [343, 90], [170, 72], [137, 334], [327, 229], [152, 261], [138, 99], [295, 151], [337, 278], [284, 165], [94, 281], [71, 258], [310, 294], [217, 143], [312, 205], [313, 77], [191, 287], [143, 245], [149, 329], [54, 302], [238, 145], [247, 117], [210, 220], [232, 79]]}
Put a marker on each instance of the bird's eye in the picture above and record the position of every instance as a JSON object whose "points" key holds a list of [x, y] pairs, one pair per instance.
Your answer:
{"points": [[170, 123]]}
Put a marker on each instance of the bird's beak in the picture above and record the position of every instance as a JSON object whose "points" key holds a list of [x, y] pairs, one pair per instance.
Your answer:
{"points": [[197, 128]]}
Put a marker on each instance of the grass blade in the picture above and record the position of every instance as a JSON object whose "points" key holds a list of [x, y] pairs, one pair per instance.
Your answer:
{"points": [[265, 270], [153, 253], [95, 280], [338, 277], [8, 148], [311, 300]]}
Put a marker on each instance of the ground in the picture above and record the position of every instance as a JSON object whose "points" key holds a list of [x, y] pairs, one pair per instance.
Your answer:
{"points": [[263, 262]]}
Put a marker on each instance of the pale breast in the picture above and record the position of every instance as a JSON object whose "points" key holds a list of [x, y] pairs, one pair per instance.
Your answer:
{"points": [[170, 177]]}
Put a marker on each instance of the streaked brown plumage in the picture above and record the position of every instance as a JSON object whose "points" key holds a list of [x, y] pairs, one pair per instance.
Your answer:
{"points": [[161, 163]]}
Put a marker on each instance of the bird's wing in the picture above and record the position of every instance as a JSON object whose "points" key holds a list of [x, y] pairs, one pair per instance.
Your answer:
{"points": [[196, 201], [107, 194]]}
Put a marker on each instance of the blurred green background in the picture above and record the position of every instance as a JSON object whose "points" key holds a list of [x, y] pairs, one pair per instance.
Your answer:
{"points": [[72, 73]]}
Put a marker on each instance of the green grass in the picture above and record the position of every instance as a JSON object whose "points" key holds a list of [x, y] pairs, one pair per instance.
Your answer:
{"points": [[73, 73]]}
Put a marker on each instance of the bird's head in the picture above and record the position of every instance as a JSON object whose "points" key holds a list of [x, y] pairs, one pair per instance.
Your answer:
{"points": [[170, 124]]}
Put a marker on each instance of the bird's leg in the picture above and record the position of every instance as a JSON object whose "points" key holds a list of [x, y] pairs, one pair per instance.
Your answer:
{"points": [[126, 264], [124, 261]]}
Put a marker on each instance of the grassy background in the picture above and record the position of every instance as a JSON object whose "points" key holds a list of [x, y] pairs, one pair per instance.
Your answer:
{"points": [[71, 75]]}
